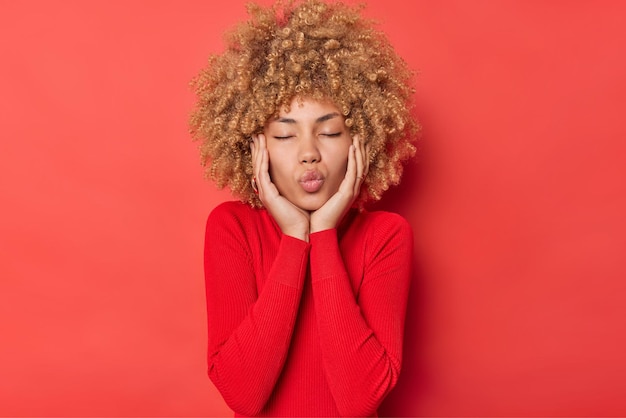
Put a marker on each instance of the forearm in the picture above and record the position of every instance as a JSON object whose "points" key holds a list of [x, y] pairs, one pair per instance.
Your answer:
{"points": [[361, 342], [246, 366], [361, 371], [249, 336]]}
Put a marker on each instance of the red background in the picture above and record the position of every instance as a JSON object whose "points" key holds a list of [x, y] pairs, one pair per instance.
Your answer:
{"points": [[518, 302]]}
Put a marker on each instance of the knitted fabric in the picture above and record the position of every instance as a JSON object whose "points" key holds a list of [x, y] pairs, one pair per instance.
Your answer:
{"points": [[305, 329]]}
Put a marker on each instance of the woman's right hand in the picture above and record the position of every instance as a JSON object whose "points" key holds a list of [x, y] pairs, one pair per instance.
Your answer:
{"points": [[292, 220]]}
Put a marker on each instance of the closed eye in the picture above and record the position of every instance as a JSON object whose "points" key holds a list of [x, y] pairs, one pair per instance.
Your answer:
{"points": [[283, 137], [333, 134]]}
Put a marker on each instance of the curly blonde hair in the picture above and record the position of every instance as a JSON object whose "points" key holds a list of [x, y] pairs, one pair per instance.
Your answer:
{"points": [[301, 49]]}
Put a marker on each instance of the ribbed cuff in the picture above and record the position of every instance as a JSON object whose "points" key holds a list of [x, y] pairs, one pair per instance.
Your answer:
{"points": [[291, 261], [326, 258]]}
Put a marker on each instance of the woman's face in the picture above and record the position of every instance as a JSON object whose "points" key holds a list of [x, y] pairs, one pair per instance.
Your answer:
{"points": [[308, 152]]}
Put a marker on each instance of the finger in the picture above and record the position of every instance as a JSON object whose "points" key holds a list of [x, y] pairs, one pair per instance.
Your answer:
{"points": [[360, 164], [258, 169], [253, 149], [263, 174], [350, 180], [368, 148], [365, 152], [358, 154], [258, 154], [253, 153]]}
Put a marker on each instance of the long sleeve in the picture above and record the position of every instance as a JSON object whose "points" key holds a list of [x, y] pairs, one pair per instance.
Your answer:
{"points": [[249, 333], [361, 335]]}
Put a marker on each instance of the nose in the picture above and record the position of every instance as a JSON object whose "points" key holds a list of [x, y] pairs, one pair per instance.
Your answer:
{"points": [[309, 152]]}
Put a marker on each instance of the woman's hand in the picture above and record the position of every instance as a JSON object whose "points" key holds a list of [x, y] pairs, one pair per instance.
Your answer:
{"points": [[331, 213], [292, 220]]}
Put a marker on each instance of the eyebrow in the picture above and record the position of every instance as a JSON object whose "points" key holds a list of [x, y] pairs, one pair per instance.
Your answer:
{"points": [[318, 120]]}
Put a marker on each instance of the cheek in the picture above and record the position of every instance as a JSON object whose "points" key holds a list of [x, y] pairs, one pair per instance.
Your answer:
{"points": [[277, 165], [340, 156], [337, 166], [273, 157], [272, 169]]}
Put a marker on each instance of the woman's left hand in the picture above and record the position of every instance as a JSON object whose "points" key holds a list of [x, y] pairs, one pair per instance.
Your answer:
{"points": [[331, 213]]}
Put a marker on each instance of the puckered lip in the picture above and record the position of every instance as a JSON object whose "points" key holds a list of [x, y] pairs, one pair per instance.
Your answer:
{"points": [[311, 175], [311, 181]]}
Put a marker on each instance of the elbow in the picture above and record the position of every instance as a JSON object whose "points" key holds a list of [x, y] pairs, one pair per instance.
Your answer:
{"points": [[358, 407], [365, 403], [244, 408], [242, 400]]}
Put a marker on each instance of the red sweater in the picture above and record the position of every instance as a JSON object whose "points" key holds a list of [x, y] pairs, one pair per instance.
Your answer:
{"points": [[305, 329]]}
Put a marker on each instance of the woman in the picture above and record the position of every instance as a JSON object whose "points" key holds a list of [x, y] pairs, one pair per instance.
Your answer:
{"points": [[305, 118]]}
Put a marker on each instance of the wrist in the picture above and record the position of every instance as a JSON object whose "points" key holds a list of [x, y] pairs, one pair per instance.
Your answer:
{"points": [[320, 227], [298, 233]]}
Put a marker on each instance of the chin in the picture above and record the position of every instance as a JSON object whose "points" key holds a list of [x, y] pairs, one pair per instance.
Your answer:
{"points": [[309, 207], [311, 203]]}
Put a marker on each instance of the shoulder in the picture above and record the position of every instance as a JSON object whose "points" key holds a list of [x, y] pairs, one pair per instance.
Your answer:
{"points": [[232, 215], [378, 231], [386, 231], [384, 223], [231, 210]]}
